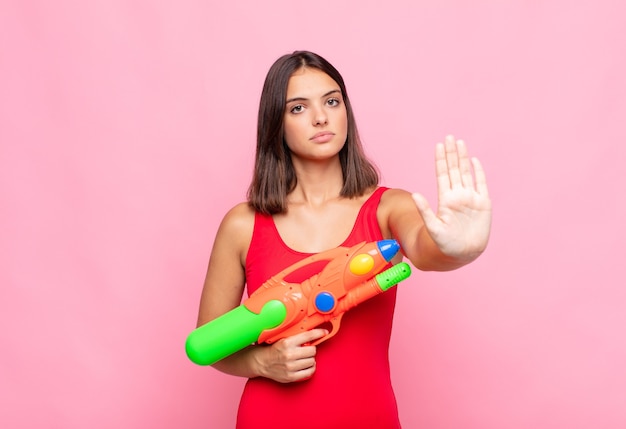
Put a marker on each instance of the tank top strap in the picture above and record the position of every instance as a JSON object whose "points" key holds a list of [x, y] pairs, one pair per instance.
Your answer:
{"points": [[264, 228], [266, 253], [366, 227]]}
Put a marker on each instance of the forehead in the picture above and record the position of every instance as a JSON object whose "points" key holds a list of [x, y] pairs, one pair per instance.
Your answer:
{"points": [[309, 82]]}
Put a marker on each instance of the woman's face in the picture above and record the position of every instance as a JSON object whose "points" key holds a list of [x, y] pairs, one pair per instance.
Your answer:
{"points": [[316, 121]]}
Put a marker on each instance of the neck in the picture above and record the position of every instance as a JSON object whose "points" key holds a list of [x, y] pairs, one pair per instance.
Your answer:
{"points": [[317, 183]]}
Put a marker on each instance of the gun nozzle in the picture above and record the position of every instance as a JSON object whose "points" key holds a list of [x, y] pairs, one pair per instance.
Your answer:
{"points": [[388, 248]]}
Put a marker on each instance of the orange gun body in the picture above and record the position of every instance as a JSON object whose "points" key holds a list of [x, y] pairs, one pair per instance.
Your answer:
{"points": [[345, 281]]}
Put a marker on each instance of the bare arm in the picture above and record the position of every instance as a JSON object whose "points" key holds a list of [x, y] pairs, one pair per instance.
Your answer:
{"points": [[225, 280], [285, 361], [458, 233]]}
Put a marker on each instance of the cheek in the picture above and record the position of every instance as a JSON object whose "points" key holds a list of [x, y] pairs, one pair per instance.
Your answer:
{"points": [[290, 131], [343, 124]]}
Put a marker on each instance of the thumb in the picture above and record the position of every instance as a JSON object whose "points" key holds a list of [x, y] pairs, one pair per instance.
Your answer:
{"points": [[427, 213]]}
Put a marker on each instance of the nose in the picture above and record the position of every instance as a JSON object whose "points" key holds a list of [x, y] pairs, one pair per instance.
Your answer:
{"points": [[320, 117]]}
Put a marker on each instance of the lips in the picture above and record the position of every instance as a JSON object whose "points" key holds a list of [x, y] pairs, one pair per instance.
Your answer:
{"points": [[322, 137]]}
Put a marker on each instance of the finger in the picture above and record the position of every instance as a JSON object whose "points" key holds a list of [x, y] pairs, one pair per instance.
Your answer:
{"points": [[302, 364], [307, 337], [305, 373], [452, 161], [465, 165], [441, 168], [297, 370], [481, 179]]}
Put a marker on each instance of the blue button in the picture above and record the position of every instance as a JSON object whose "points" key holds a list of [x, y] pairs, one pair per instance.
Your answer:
{"points": [[325, 302]]}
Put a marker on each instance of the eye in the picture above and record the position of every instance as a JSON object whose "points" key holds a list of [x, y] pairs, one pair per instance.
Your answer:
{"points": [[333, 102], [298, 108]]}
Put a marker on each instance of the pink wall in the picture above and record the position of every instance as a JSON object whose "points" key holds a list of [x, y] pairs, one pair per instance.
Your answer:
{"points": [[127, 130]]}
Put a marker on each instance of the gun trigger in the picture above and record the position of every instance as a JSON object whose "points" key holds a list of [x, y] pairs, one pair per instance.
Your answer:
{"points": [[335, 322]]}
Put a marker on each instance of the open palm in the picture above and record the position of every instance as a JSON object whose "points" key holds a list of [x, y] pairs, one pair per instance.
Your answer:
{"points": [[461, 226]]}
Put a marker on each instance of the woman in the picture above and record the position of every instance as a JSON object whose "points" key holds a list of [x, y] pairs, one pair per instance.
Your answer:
{"points": [[313, 189]]}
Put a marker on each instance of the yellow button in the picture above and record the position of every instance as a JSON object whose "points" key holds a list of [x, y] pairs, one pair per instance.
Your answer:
{"points": [[361, 264]]}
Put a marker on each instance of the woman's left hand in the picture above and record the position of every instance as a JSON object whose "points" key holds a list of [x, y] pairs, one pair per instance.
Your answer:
{"points": [[461, 226]]}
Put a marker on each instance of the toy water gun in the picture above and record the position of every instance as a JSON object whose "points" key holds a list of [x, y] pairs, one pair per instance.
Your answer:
{"points": [[280, 309]]}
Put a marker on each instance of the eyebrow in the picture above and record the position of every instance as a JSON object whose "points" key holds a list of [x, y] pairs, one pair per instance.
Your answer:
{"points": [[291, 100]]}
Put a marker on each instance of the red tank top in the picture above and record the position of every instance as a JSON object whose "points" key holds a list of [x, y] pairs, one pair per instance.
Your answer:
{"points": [[351, 387]]}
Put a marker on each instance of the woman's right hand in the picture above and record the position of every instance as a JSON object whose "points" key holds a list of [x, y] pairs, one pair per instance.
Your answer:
{"points": [[289, 359]]}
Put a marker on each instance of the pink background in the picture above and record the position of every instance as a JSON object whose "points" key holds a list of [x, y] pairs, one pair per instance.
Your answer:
{"points": [[127, 130]]}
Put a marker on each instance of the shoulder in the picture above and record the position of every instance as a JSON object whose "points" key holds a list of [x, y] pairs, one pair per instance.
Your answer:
{"points": [[241, 213], [238, 224], [393, 197], [394, 203]]}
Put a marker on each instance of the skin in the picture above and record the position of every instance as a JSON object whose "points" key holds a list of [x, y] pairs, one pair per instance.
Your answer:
{"points": [[319, 219]]}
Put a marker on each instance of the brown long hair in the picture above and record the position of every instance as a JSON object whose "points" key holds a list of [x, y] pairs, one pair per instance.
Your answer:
{"points": [[274, 176]]}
